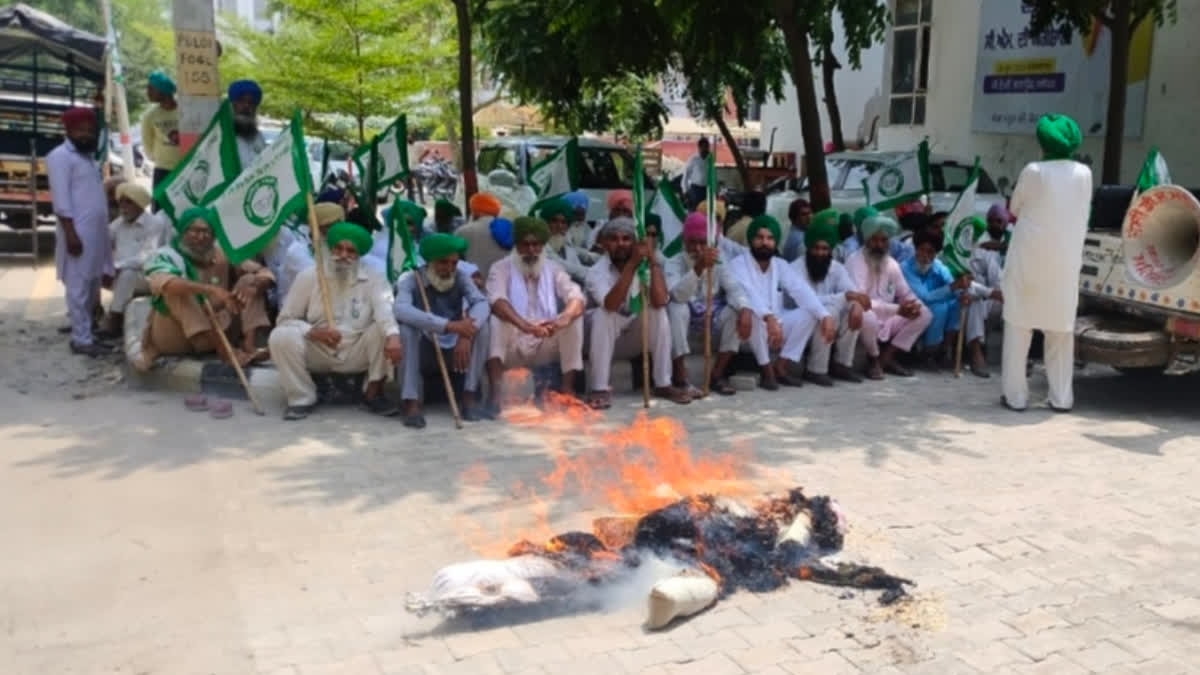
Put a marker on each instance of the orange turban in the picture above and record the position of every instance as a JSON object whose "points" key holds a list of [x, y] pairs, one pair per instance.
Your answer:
{"points": [[484, 204], [620, 199]]}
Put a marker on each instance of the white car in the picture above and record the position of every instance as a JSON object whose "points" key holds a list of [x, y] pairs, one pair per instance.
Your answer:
{"points": [[847, 170], [504, 163]]}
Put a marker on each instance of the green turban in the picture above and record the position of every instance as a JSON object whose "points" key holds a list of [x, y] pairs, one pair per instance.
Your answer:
{"points": [[162, 83], [824, 228], [196, 213], [438, 246], [556, 207], [763, 222], [355, 234], [444, 207], [876, 224], [410, 211], [1059, 136], [862, 214], [527, 225]]}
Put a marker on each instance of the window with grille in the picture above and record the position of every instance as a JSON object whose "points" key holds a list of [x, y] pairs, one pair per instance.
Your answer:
{"points": [[910, 61]]}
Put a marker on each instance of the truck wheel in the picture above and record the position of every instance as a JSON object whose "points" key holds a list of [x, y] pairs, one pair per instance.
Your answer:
{"points": [[1122, 342]]}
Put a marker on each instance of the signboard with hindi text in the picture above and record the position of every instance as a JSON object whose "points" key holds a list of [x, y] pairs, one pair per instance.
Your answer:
{"points": [[1019, 76]]}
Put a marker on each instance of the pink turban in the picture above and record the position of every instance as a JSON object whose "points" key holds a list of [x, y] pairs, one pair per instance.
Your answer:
{"points": [[620, 199], [696, 226], [999, 211]]}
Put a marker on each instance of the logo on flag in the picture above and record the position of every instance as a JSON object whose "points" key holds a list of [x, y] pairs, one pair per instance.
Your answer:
{"points": [[900, 181], [891, 182], [197, 181], [262, 201]]}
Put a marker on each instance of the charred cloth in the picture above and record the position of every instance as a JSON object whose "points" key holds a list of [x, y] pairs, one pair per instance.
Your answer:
{"points": [[757, 549]]}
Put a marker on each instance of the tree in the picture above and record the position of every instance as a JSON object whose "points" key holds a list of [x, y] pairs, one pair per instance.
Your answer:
{"points": [[1122, 18], [364, 58], [802, 23]]}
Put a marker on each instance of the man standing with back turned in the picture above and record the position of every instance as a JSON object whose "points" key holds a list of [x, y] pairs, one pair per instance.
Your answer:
{"points": [[1051, 201]]}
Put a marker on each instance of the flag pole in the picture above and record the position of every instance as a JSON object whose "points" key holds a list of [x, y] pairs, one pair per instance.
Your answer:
{"points": [[437, 351], [710, 241], [958, 349], [216, 325], [319, 259]]}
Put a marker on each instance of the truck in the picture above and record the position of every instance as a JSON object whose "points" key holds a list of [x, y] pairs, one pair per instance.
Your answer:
{"points": [[1139, 285]]}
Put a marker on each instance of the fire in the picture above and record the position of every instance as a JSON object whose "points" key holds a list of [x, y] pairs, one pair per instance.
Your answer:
{"points": [[629, 470]]}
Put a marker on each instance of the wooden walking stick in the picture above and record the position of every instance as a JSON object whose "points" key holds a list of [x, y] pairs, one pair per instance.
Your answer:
{"points": [[437, 351], [212, 318], [708, 308], [646, 348], [314, 231], [958, 350]]}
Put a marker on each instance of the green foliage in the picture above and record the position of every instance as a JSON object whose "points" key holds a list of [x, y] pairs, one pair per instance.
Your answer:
{"points": [[144, 34], [864, 23], [1068, 16], [359, 57]]}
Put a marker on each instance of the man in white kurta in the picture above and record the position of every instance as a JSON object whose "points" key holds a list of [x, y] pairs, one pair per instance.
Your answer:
{"points": [[82, 252], [837, 292], [687, 281], [615, 326], [135, 234], [1052, 202], [987, 303], [363, 336], [766, 278]]}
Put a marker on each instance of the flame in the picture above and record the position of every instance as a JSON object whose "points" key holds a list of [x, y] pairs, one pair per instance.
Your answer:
{"points": [[628, 470]]}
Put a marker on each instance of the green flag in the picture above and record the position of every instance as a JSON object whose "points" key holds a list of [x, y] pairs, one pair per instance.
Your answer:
{"points": [[667, 205], [401, 251], [558, 173], [391, 148], [1154, 172], [205, 171], [252, 209], [639, 219], [899, 181], [959, 238]]}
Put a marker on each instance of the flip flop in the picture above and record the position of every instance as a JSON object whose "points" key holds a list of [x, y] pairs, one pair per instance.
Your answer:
{"points": [[259, 355], [220, 409], [600, 400], [674, 395], [196, 403]]}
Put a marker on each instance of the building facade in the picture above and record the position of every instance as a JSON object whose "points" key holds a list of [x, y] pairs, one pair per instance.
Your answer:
{"points": [[967, 75], [254, 12]]}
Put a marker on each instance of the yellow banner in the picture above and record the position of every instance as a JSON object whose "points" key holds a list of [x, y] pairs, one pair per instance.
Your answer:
{"points": [[1024, 67]]}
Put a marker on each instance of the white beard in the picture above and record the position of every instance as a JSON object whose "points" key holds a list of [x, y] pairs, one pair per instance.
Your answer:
{"points": [[341, 278], [440, 284], [557, 242], [528, 271]]}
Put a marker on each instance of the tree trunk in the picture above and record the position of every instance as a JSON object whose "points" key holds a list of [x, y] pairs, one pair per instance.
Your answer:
{"points": [[829, 65], [1118, 79], [738, 159], [796, 39], [467, 139]]}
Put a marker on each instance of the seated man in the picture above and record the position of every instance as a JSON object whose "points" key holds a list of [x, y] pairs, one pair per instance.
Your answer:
{"points": [[299, 255], [837, 292], [897, 317], [731, 316], [578, 232], [536, 311], [364, 337], [457, 318], [934, 284], [556, 213], [193, 270], [987, 304], [800, 214], [754, 204], [615, 329], [446, 216], [485, 245], [134, 234], [766, 278], [620, 205], [851, 237]]}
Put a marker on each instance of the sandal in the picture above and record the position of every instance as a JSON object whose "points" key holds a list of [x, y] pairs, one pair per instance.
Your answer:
{"points": [[196, 403], [722, 387], [694, 393], [259, 355], [674, 395], [600, 400], [220, 409]]}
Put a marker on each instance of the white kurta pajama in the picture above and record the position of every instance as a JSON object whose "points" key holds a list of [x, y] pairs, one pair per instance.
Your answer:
{"points": [[831, 291], [535, 299], [1052, 202], [77, 192], [618, 335], [764, 292], [689, 294], [989, 276], [363, 316], [133, 243]]}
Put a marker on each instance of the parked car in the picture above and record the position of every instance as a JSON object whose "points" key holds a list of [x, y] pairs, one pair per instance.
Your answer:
{"points": [[847, 170], [339, 156], [503, 166]]}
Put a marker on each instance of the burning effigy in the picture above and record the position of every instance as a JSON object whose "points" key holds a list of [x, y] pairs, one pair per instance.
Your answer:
{"points": [[685, 520]]}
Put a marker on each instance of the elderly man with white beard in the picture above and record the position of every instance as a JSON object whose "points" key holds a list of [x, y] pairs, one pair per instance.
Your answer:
{"points": [[536, 311], [897, 317], [364, 335], [687, 279], [615, 331], [766, 278], [457, 319], [576, 262], [836, 290]]}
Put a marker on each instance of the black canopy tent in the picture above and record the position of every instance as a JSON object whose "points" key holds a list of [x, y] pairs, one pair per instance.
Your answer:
{"points": [[46, 66]]}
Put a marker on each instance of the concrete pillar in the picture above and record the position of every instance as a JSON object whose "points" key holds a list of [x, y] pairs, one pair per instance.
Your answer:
{"points": [[196, 68]]}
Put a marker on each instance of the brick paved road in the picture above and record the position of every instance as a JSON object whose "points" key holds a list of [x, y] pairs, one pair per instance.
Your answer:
{"points": [[143, 539]]}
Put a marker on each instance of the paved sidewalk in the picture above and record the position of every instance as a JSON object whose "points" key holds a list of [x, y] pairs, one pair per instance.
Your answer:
{"points": [[144, 539]]}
